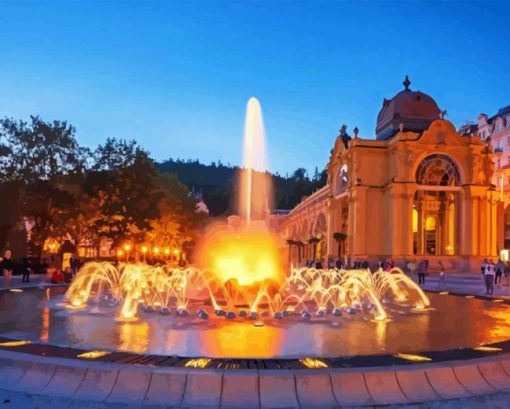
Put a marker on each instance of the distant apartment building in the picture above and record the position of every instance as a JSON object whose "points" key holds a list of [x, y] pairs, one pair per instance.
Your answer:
{"points": [[495, 130]]}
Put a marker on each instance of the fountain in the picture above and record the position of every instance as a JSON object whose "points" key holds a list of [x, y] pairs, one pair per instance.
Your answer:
{"points": [[239, 299], [239, 268]]}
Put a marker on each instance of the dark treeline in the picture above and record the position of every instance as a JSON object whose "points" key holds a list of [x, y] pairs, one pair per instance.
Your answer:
{"points": [[53, 188], [217, 183]]}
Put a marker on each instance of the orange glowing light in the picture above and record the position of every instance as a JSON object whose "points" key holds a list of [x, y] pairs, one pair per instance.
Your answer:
{"points": [[120, 253], [176, 251], [127, 247], [144, 249], [167, 251], [245, 259], [156, 250]]}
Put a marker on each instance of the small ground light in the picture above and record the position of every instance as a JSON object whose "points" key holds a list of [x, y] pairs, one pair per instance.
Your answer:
{"points": [[197, 363], [16, 290], [14, 343], [414, 358], [93, 354], [484, 348], [444, 293], [313, 363]]}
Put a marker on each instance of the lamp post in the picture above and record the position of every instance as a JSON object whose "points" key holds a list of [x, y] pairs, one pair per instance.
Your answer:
{"points": [[167, 253], [176, 253], [144, 251]]}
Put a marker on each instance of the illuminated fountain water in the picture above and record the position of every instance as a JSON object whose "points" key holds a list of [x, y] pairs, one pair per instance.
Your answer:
{"points": [[239, 272]]}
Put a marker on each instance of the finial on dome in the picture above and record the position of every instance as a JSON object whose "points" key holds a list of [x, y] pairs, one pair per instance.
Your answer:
{"points": [[406, 83], [343, 130], [356, 132], [443, 113]]}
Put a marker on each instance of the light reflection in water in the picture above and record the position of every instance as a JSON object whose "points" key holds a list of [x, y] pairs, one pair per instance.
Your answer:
{"points": [[45, 327], [133, 336], [239, 339]]}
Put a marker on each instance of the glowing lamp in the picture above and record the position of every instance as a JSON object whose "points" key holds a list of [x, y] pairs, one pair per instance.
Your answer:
{"points": [[156, 250], [144, 249], [127, 247], [120, 253], [167, 251], [176, 251]]}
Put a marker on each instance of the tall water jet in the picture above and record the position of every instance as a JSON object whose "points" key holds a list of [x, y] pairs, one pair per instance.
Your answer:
{"points": [[254, 189], [245, 251]]}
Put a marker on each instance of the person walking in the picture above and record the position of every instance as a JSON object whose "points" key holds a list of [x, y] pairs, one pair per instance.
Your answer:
{"points": [[27, 269], [500, 268], [489, 274], [421, 269], [7, 267]]}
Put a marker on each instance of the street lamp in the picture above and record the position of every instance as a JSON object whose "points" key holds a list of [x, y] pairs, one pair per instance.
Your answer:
{"points": [[167, 252], [176, 253], [144, 251], [127, 247]]}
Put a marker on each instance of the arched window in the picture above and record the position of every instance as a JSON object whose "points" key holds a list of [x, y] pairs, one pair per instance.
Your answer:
{"points": [[437, 170]]}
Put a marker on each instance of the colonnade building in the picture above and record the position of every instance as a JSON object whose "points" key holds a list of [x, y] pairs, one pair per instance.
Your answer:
{"points": [[418, 190]]}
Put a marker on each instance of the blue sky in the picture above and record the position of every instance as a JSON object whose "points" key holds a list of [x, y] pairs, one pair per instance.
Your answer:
{"points": [[176, 76]]}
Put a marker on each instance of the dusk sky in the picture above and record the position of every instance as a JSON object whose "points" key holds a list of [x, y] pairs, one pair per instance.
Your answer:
{"points": [[176, 76]]}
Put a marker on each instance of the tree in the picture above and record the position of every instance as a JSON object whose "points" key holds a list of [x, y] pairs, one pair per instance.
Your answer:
{"points": [[116, 154], [39, 150]]}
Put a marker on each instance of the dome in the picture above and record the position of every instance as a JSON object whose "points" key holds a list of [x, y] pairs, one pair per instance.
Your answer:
{"points": [[414, 110]]}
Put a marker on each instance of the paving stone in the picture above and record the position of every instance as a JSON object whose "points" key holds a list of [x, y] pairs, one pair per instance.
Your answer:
{"points": [[203, 390], [166, 389], [35, 379], [11, 372], [350, 389], [66, 381], [472, 380], [97, 384], [415, 385], [384, 388], [131, 387], [315, 391], [277, 390], [495, 375], [240, 390], [444, 382]]}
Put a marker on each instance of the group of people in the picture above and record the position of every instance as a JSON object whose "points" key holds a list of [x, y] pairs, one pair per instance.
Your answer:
{"points": [[7, 268], [493, 274]]}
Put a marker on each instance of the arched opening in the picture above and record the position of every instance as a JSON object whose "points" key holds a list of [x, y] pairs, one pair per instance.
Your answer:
{"points": [[435, 207], [319, 232]]}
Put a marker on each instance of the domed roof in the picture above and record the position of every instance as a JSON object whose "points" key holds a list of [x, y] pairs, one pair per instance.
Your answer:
{"points": [[414, 110]]}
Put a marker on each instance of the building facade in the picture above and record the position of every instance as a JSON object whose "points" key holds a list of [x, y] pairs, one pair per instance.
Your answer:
{"points": [[495, 131], [419, 190]]}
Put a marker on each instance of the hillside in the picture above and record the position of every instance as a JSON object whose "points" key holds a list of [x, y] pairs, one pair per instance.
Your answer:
{"points": [[216, 182]]}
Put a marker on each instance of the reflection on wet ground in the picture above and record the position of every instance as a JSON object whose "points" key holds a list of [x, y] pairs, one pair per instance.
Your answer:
{"points": [[453, 322]]}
